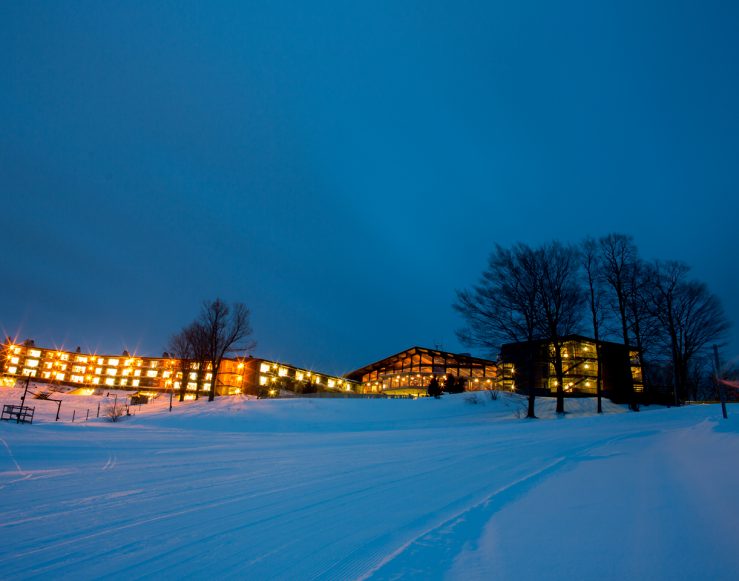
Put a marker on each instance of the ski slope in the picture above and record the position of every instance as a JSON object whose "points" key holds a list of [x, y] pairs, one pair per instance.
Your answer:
{"points": [[378, 489]]}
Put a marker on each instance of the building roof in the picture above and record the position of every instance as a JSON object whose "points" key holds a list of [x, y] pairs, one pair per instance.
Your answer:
{"points": [[461, 358], [571, 337]]}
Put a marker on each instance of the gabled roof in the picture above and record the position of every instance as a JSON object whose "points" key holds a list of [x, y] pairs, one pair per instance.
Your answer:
{"points": [[459, 357]]}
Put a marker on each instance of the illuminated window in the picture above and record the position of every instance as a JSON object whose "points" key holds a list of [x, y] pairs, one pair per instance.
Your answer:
{"points": [[137, 373], [282, 372], [64, 357], [318, 379], [129, 362], [31, 362], [78, 368], [264, 368], [299, 375], [98, 370], [151, 373], [262, 380], [96, 380], [167, 374], [46, 374], [12, 369], [124, 381], [126, 372], [29, 372], [135, 382], [16, 349], [113, 362], [111, 371], [206, 387], [60, 377], [192, 385], [34, 353], [80, 359], [331, 383], [14, 359], [110, 381], [48, 365], [154, 363], [193, 376], [77, 379]]}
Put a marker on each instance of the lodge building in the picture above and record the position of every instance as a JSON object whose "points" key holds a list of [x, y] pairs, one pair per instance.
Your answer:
{"points": [[407, 373]]}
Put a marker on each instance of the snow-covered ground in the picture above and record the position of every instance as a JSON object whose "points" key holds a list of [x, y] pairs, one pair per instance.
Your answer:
{"points": [[383, 489]]}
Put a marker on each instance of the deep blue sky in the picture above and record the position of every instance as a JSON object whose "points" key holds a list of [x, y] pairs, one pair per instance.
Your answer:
{"points": [[343, 167]]}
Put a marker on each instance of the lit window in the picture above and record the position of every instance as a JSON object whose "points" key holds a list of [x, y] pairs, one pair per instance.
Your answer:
{"points": [[60, 377], [299, 375], [124, 381], [137, 373], [110, 381], [264, 368], [98, 370], [29, 372], [113, 362], [80, 359], [111, 371], [12, 369], [78, 368], [206, 387], [31, 362], [193, 376], [16, 349], [282, 372], [318, 379], [77, 379], [151, 373], [14, 359], [331, 383], [48, 365], [34, 353], [129, 362], [64, 357], [46, 374], [262, 380], [135, 383], [154, 364], [192, 385], [126, 372], [96, 380], [167, 374]]}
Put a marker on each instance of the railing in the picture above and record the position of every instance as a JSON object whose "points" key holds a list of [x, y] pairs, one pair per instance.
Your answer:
{"points": [[20, 413]]}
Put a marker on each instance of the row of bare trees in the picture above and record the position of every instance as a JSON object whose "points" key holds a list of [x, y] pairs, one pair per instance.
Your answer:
{"points": [[600, 287], [219, 330]]}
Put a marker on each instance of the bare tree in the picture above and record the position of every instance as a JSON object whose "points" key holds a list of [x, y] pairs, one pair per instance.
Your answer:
{"points": [[199, 340], [227, 330], [691, 316], [590, 258], [560, 301], [504, 305], [180, 348]]}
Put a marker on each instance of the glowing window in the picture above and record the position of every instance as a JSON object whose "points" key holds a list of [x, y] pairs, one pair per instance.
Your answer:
{"points": [[192, 385], [31, 362], [126, 372], [282, 372], [264, 368], [151, 373], [124, 381], [208, 376], [80, 359], [137, 373], [14, 359], [111, 371], [167, 374], [193, 376], [34, 353], [78, 368], [113, 362], [331, 383], [299, 375], [318, 379], [110, 381], [64, 357], [46, 374], [60, 377], [77, 378], [29, 372], [206, 387], [135, 382], [262, 380], [98, 370], [12, 369], [96, 380]]}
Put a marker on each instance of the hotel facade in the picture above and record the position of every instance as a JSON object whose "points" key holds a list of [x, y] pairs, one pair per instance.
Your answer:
{"points": [[407, 373]]}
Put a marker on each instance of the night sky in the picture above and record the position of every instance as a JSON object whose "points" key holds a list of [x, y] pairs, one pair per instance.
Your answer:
{"points": [[342, 167]]}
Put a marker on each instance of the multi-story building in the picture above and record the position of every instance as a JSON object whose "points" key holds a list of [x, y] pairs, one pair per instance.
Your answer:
{"points": [[581, 357], [90, 371], [409, 372]]}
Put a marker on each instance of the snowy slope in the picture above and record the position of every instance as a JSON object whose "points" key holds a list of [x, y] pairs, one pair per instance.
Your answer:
{"points": [[343, 489]]}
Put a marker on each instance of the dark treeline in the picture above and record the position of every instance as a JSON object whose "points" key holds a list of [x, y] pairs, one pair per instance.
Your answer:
{"points": [[602, 288]]}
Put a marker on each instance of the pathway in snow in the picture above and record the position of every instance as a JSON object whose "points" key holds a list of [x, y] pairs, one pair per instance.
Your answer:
{"points": [[355, 489]]}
